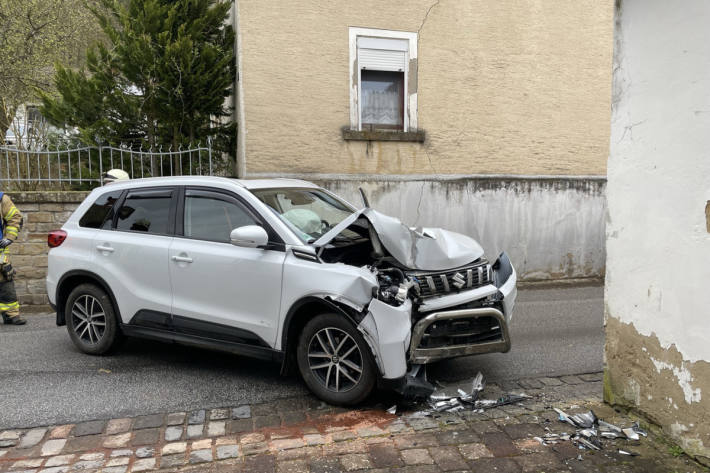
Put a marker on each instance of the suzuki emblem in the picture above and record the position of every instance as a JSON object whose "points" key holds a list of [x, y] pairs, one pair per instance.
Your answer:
{"points": [[458, 280]]}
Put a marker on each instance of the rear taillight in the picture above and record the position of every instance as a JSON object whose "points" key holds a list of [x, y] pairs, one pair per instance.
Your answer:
{"points": [[56, 238]]}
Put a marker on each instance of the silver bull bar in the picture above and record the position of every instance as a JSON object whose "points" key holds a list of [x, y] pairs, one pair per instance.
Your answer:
{"points": [[428, 355]]}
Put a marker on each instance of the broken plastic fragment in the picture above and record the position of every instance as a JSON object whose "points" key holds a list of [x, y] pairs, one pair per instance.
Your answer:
{"points": [[439, 396], [441, 406], [501, 401], [589, 433], [478, 384], [416, 383], [631, 433], [563, 417], [606, 426], [584, 420], [588, 444], [392, 410], [486, 403], [626, 452]]}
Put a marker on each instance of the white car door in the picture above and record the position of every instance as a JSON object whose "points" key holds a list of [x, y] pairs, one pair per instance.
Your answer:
{"points": [[133, 256], [222, 291]]}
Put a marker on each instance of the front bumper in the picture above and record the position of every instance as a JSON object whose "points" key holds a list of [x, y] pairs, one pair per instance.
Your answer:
{"points": [[446, 330], [444, 334]]}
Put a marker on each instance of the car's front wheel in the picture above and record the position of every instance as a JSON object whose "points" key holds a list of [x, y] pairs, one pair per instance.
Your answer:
{"points": [[335, 361], [91, 321]]}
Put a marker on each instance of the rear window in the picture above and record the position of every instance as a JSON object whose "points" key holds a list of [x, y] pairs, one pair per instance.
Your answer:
{"points": [[100, 213], [145, 211]]}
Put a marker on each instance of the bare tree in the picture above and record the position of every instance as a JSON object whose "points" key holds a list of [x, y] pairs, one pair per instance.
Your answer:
{"points": [[34, 34]]}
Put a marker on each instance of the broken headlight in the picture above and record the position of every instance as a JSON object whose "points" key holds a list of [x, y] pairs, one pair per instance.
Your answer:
{"points": [[394, 287], [502, 269]]}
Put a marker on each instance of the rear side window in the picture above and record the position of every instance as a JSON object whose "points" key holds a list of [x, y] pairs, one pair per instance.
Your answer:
{"points": [[100, 213], [146, 211]]}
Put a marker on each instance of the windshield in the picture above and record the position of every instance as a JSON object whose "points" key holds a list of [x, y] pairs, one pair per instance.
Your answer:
{"points": [[310, 213]]}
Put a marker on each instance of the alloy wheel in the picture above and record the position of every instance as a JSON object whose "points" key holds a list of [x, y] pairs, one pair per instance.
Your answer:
{"points": [[89, 319], [335, 359]]}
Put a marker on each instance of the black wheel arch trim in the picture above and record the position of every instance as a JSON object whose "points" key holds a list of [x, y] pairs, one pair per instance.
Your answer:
{"points": [[61, 316], [350, 313]]}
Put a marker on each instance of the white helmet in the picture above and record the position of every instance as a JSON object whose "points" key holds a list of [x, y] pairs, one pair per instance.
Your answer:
{"points": [[115, 175]]}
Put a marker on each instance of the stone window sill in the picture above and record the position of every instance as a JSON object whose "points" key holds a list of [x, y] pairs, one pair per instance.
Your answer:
{"points": [[379, 135]]}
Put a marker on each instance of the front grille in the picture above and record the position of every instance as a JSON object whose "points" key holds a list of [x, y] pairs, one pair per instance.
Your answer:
{"points": [[461, 331], [461, 279]]}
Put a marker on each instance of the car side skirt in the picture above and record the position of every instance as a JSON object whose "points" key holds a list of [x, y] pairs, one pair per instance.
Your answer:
{"points": [[188, 331]]}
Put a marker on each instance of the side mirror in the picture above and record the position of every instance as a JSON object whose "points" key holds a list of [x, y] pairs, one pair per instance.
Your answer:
{"points": [[249, 236]]}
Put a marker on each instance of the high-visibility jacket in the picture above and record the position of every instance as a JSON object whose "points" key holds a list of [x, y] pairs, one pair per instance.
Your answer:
{"points": [[10, 224]]}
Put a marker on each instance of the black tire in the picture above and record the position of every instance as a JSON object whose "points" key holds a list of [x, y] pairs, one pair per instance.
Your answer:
{"points": [[94, 338], [325, 382]]}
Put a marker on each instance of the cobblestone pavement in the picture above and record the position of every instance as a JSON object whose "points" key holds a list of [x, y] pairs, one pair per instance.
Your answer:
{"points": [[302, 434]]}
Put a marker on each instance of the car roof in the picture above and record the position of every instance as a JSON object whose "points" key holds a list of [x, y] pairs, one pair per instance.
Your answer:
{"points": [[276, 182], [250, 184]]}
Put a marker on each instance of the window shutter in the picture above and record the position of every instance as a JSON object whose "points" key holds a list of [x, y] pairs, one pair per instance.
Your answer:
{"points": [[381, 54], [379, 60]]}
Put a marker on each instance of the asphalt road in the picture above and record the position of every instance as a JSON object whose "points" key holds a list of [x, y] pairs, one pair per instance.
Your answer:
{"points": [[44, 380]]}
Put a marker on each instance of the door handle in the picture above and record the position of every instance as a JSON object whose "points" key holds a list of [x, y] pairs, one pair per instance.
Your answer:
{"points": [[182, 259], [105, 248]]}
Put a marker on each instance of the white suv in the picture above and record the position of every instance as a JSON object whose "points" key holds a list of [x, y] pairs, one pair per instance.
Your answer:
{"points": [[278, 269]]}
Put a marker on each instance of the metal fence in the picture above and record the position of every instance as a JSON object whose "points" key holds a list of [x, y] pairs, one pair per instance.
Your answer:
{"points": [[84, 166]]}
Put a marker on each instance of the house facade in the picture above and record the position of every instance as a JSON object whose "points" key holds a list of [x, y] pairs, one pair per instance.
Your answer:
{"points": [[496, 112], [657, 301]]}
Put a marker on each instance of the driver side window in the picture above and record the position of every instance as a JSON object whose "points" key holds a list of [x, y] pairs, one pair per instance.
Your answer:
{"points": [[213, 217]]}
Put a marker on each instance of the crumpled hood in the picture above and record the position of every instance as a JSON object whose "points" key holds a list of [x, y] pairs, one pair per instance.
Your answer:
{"points": [[426, 249]]}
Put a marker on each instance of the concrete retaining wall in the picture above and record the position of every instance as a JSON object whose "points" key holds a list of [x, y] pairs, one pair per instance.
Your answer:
{"points": [[552, 227]]}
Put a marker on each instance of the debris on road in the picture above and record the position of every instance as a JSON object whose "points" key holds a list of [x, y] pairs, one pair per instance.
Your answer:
{"points": [[590, 430], [442, 401]]}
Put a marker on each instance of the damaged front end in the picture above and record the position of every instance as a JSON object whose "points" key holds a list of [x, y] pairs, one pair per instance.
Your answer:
{"points": [[436, 297]]}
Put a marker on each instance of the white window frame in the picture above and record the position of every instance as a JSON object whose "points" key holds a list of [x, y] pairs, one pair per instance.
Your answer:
{"points": [[410, 96]]}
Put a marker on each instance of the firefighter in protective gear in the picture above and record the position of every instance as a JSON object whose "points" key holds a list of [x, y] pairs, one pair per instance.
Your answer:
{"points": [[10, 225]]}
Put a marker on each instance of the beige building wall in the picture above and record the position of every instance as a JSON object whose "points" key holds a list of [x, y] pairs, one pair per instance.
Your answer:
{"points": [[503, 87]]}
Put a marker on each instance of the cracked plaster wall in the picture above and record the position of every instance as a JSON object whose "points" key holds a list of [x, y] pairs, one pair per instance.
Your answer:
{"points": [[503, 87], [658, 245]]}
